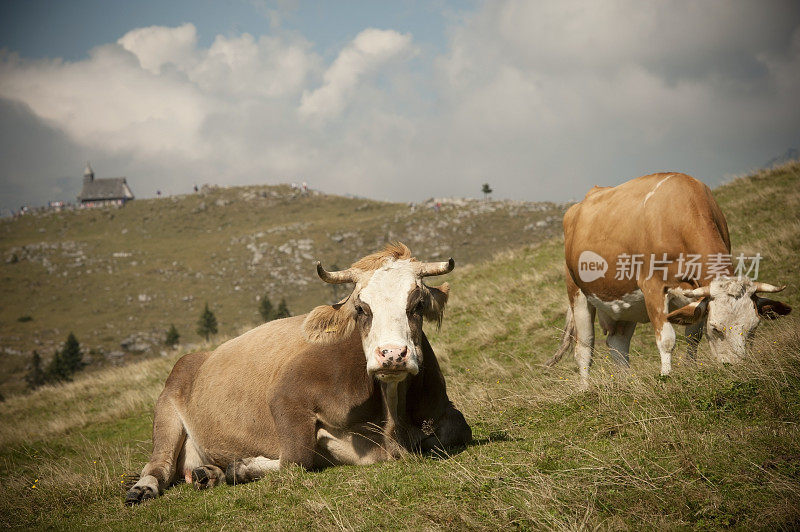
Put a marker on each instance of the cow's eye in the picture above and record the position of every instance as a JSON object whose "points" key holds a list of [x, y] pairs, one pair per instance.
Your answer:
{"points": [[718, 331], [359, 310]]}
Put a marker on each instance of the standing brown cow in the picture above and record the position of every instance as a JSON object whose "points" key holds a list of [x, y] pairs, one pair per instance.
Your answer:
{"points": [[352, 383], [669, 241]]}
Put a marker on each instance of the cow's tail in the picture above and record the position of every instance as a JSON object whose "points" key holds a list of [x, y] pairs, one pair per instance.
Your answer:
{"points": [[567, 339]]}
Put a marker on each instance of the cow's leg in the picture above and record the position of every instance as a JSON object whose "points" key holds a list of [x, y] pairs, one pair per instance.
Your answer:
{"points": [[250, 469], [295, 425], [665, 339], [168, 439], [656, 302], [583, 314], [619, 341], [694, 333]]}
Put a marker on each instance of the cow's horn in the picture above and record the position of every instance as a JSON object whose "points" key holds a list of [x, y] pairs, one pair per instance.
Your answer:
{"points": [[426, 269], [703, 291], [340, 277], [768, 288]]}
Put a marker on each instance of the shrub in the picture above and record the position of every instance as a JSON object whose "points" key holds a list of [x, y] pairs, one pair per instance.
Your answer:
{"points": [[65, 362], [173, 337], [266, 309], [283, 310], [36, 376], [207, 324]]}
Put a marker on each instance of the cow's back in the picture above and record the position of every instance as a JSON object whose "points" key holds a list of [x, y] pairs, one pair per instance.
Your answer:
{"points": [[668, 213]]}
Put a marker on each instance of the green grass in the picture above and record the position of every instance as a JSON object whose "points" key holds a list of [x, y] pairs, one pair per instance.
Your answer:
{"points": [[711, 447]]}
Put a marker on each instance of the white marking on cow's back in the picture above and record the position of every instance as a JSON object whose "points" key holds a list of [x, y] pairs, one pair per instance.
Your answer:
{"points": [[649, 194], [630, 308]]}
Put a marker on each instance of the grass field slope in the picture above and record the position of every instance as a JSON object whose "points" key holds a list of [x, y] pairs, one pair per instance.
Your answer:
{"points": [[710, 447], [118, 277]]}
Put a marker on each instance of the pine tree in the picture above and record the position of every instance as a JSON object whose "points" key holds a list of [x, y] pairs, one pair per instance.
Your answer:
{"points": [[265, 309], [36, 376], [71, 355], [173, 337], [283, 310], [56, 369], [207, 324]]}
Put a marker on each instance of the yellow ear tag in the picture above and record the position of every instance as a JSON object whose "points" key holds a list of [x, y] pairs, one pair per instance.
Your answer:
{"points": [[331, 329]]}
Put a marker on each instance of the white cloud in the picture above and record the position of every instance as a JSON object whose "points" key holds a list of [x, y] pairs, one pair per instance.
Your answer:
{"points": [[153, 93], [541, 99], [368, 51], [549, 98], [156, 46], [108, 101]]}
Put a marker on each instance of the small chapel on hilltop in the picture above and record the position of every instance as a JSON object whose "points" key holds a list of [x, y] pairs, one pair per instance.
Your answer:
{"points": [[103, 191]]}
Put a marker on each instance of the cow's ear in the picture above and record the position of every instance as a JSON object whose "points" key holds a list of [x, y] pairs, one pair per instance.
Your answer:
{"points": [[689, 314], [771, 309], [329, 323], [435, 302]]}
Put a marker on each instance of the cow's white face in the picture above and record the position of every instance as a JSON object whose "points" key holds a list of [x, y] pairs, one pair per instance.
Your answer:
{"points": [[387, 306], [732, 318], [389, 317], [731, 308]]}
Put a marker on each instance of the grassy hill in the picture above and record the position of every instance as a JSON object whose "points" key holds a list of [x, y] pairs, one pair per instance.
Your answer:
{"points": [[115, 276], [711, 447]]}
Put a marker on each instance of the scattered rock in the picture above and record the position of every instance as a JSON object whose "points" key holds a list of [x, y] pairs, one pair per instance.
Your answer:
{"points": [[139, 342]]}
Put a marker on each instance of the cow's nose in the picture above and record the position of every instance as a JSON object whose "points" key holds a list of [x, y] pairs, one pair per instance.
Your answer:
{"points": [[392, 352]]}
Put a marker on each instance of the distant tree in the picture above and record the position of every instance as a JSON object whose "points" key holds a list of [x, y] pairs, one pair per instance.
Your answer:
{"points": [[283, 310], [173, 337], [56, 369], [207, 324], [486, 189], [71, 355], [36, 376], [266, 309], [65, 362]]}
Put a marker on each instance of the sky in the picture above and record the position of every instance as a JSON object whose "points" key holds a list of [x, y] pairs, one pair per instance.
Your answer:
{"points": [[399, 101]]}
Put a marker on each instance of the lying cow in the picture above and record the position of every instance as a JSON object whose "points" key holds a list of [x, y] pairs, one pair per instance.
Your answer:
{"points": [[352, 383], [670, 243]]}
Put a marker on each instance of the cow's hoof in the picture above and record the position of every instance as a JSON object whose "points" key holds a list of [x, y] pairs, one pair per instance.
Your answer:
{"points": [[206, 476], [139, 494]]}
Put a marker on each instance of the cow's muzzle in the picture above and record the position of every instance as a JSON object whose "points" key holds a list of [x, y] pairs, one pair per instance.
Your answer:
{"points": [[393, 363]]}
